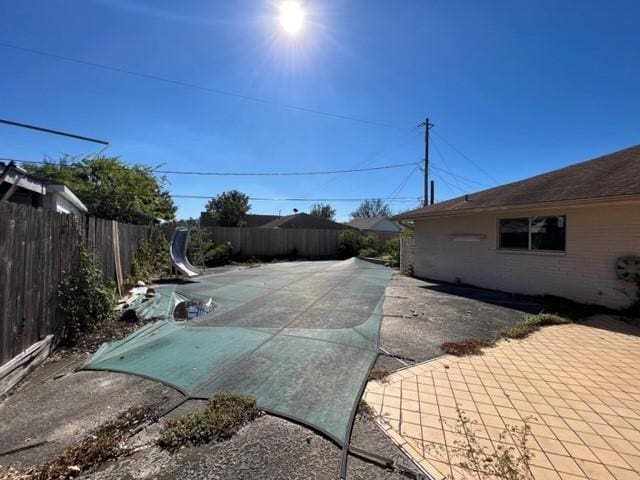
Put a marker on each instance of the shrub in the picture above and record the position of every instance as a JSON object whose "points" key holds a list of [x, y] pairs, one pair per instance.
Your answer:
{"points": [[84, 300], [151, 258], [367, 240], [348, 243], [143, 262], [367, 252], [220, 419], [352, 243], [217, 255], [199, 244], [392, 248], [203, 251]]}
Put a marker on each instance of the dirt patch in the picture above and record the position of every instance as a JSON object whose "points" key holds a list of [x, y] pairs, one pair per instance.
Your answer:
{"points": [[90, 341]]}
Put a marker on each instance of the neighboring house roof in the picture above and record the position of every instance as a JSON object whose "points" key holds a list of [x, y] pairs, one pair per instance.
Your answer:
{"points": [[610, 176], [251, 220], [370, 223], [304, 220], [258, 220], [66, 193], [41, 186]]}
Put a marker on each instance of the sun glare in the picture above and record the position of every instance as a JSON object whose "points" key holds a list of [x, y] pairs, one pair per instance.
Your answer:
{"points": [[291, 16]]}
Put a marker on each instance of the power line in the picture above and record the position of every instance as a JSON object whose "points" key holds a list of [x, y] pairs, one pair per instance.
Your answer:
{"points": [[283, 174], [216, 91], [402, 184], [263, 199], [383, 152], [455, 175], [444, 161], [54, 132], [466, 157], [233, 174], [448, 182]]}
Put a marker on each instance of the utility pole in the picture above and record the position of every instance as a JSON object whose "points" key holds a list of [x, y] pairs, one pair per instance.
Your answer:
{"points": [[426, 126]]}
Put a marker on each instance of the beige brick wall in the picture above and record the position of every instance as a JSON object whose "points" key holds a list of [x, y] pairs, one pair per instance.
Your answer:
{"points": [[595, 237]]}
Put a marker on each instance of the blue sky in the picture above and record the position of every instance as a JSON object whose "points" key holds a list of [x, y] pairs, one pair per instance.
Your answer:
{"points": [[518, 87]]}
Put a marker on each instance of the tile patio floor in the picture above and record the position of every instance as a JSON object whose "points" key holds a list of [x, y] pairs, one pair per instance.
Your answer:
{"points": [[578, 387]]}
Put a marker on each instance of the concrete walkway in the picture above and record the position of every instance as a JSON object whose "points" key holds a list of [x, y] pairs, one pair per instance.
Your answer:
{"points": [[577, 386]]}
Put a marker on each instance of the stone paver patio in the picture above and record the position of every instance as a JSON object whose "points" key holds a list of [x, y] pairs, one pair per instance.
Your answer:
{"points": [[577, 386]]}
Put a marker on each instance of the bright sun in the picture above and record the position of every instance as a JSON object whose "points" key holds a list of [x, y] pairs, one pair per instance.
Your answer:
{"points": [[291, 16]]}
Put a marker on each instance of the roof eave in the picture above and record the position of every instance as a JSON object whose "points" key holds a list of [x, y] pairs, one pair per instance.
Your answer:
{"points": [[68, 195], [618, 199]]}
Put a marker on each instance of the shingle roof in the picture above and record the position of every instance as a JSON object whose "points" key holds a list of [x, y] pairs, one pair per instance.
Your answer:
{"points": [[613, 175], [250, 220], [304, 220], [255, 220], [364, 223]]}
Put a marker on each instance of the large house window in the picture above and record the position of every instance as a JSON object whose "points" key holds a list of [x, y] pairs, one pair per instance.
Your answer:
{"points": [[514, 233], [533, 233]]}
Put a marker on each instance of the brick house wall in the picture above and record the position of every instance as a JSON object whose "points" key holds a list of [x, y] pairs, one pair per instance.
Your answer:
{"points": [[465, 249]]}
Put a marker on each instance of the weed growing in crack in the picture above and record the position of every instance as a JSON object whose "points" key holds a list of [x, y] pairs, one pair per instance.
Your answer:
{"points": [[365, 410], [106, 443], [470, 346], [220, 419], [529, 324], [509, 460], [379, 374]]}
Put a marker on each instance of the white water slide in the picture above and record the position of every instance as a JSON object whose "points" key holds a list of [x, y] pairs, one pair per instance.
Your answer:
{"points": [[179, 243]]}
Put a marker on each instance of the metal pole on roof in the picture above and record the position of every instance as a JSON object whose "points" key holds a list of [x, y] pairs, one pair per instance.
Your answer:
{"points": [[433, 192]]}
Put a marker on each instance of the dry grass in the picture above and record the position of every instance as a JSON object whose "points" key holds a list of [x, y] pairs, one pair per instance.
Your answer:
{"points": [[104, 444], [379, 374], [529, 324], [470, 346], [510, 460], [365, 410]]}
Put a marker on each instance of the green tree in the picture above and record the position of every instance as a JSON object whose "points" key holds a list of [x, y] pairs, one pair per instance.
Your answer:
{"points": [[112, 189], [374, 207], [323, 210], [229, 208]]}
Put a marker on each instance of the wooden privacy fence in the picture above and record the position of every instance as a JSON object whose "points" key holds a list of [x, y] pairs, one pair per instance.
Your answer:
{"points": [[278, 242], [36, 247], [281, 242], [114, 245]]}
